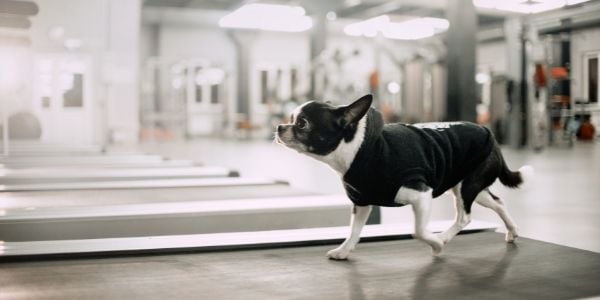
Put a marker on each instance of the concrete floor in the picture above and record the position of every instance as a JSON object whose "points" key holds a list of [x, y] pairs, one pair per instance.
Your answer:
{"points": [[473, 266], [561, 205]]}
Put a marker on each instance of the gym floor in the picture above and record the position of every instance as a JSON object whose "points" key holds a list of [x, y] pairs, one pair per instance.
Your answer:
{"points": [[560, 206], [473, 266]]}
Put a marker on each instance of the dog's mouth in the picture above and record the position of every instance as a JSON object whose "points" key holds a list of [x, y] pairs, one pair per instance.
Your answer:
{"points": [[278, 140], [292, 144]]}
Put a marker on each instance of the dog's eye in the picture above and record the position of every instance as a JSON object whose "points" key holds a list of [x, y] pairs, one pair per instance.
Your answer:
{"points": [[302, 124]]}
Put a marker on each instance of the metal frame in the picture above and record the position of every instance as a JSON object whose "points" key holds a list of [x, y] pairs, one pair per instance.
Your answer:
{"points": [[10, 251], [138, 184], [64, 175]]}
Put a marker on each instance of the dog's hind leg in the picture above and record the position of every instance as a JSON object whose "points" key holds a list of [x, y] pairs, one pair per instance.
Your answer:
{"points": [[359, 217], [461, 219], [487, 199]]}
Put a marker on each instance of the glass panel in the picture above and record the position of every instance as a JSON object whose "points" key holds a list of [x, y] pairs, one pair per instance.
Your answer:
{"points": [[294, 84], [593, 79], [264, 86], [73, 97], [214, 93], [46, 102], [198, 93]]}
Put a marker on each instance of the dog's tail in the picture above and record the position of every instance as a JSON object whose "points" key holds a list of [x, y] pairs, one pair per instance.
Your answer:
{"points": [[516, 179]]}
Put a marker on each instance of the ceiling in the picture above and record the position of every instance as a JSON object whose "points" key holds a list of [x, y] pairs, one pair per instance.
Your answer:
{"points": [[355, 9]]}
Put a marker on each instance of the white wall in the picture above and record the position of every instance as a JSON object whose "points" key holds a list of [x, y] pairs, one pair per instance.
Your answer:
{"points": [[109, 35], [187, 34], [492, 57], [187, 42], [121, 69], [182, 41], [583, 41]]}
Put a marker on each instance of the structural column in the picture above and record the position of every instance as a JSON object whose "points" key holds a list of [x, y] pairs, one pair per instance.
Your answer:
{"points": [[242, 41], [318, 38], [516, 70], [461, 59]]}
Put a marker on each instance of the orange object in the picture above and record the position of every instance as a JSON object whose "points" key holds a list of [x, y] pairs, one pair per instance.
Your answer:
{"points": [[374, 80], [559, 72], [587, 130], [540, 76]]}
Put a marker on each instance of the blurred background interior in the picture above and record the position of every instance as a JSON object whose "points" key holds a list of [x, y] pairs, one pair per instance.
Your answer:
{"points": [[126, 119]]}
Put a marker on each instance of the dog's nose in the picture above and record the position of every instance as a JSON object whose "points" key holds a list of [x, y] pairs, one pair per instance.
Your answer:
{"points": [[279, 129]]}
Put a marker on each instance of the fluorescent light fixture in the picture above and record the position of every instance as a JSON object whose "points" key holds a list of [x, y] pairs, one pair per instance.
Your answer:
{"points": [[331, 16], [177, 82], [573, 2], [270, 17], [393, 87], [482, 78], [413, 29], [525, 6], [73, 44]]}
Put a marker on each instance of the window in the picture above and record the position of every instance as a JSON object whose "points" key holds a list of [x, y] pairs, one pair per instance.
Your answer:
{"points": [[591, 77], [198, 80], [73, 97], [214, 93], [264, 86], [198, 93]]}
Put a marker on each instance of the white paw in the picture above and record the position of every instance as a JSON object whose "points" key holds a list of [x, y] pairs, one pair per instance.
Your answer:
{"points": [[511, 236], [444, 238], [339, 253], [436, 246], [432, 240]]}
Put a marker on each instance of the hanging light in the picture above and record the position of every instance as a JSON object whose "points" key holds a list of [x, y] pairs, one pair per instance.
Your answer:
{"points": [[270, 17], [525, 6], [412, 29]]}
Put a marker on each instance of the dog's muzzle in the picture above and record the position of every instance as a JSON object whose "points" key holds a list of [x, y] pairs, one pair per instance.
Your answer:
{"points": [[284, 135]]}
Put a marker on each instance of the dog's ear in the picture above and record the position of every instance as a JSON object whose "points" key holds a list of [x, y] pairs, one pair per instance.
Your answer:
{"points": [[357, 109]]}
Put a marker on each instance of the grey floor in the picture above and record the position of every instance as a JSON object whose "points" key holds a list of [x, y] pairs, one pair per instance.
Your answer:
{"points": [[472, 266], [562, 204]]}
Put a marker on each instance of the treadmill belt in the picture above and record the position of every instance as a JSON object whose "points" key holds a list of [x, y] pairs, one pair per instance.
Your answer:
{"points": [[474, 266], [17, 200]]}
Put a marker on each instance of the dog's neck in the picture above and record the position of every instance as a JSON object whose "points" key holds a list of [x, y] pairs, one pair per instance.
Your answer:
{"points": [[341, 158]]}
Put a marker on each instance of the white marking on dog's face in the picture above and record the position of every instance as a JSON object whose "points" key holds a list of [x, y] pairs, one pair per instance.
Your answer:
{"points": [[341, 158], [297, 111], [286, 138], [343, 153]]}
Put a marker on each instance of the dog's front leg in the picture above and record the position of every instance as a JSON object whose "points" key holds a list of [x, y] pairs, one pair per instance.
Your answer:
{"points": [[359, 217]]}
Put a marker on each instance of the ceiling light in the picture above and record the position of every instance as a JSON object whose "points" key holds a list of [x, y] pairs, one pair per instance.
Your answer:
{"points": [[482, 78], [573, 2], [525, 6], [269, 17], [331, 16], [393, 87], [413, 29]]}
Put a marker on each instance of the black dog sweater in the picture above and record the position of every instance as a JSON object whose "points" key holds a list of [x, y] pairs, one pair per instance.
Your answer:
{"points": [[437, 154]]}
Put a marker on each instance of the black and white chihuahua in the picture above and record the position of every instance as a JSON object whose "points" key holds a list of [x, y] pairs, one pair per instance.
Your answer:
{"points": [[401, 164]]}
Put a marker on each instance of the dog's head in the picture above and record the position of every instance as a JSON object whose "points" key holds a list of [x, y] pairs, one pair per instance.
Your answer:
{"points": [[318, 128]]}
